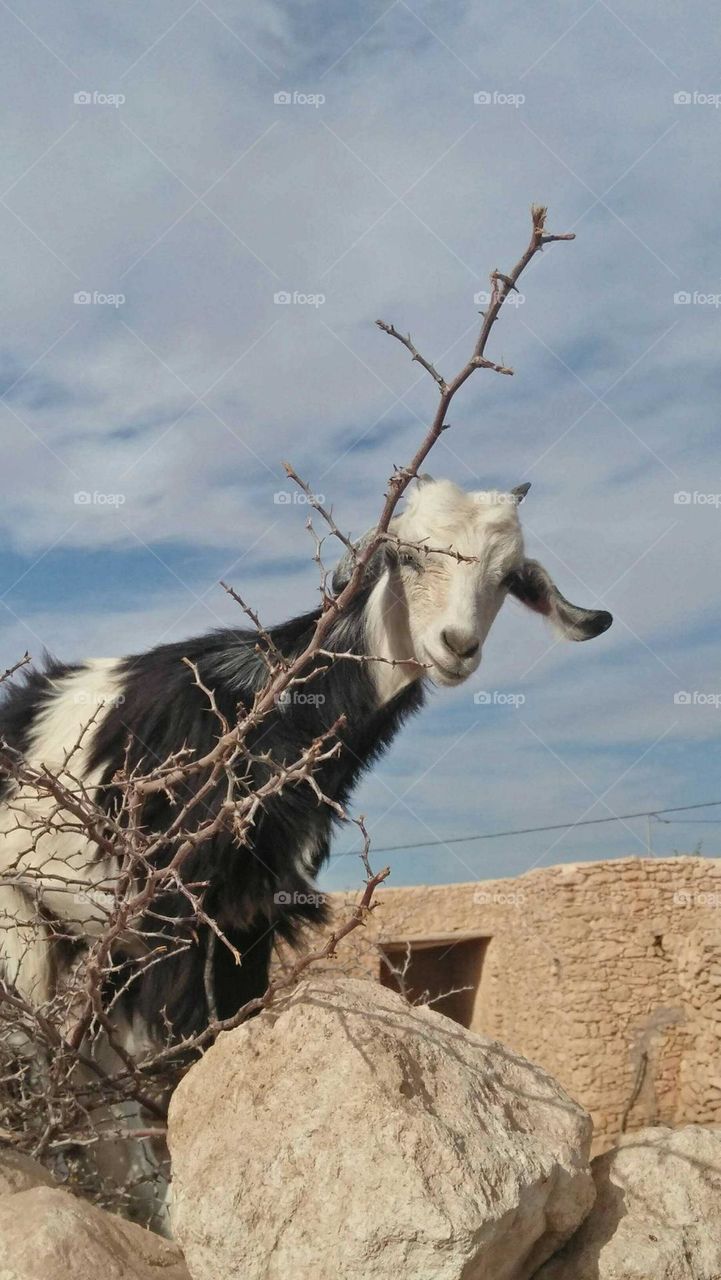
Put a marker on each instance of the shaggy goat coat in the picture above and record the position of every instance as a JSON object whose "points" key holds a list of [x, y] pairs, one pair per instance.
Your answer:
{"points": [[422, 610], [257, 892]]}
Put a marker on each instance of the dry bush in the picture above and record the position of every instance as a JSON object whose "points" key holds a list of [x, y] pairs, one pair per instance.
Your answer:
{"points": [[73, 1093]]}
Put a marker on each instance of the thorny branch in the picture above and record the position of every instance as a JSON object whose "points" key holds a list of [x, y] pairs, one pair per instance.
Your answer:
{"points": [[59, 1107]]}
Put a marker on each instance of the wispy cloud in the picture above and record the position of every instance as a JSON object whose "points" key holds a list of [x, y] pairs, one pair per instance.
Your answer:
{"points": [[174, 175]]}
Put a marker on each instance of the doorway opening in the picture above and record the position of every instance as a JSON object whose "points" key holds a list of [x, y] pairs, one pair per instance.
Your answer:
{"points": [[444, 973]]}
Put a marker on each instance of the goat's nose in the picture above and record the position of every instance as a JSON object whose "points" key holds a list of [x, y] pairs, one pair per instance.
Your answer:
{"points": [[463, 644]]}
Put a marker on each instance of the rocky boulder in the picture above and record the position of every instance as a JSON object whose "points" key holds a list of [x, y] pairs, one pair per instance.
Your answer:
{"points": [[20, 1173], [48, 1234], [657, 1214], [345, 1135]]}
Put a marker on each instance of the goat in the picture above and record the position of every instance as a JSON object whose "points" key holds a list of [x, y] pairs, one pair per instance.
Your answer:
{"points": [[425, 613]]}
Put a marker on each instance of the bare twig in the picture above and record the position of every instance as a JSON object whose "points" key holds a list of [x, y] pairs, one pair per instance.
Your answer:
{"points": [[56, 1109], [415, 354]]}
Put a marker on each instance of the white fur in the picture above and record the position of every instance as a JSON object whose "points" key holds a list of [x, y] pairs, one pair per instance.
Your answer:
{"points": [[389, 639], [59, 870], [409, 609], [60, 874]]}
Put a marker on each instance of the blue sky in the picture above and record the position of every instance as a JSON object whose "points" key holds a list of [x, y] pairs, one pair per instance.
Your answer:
{"points": [[198, 198]]}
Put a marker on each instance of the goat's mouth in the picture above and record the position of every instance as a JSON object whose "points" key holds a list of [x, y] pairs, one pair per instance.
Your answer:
{"points": [[443, 675]]}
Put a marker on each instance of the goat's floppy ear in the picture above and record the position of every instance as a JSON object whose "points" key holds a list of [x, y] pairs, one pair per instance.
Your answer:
{"points": [[533, 587], [520, 492], [382, 557]]}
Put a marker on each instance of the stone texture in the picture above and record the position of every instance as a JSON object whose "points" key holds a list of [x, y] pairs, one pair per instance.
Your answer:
{"points": [[20, 1173], [657, 1214], [48, 1234], [346, 1135], [607, 974]]}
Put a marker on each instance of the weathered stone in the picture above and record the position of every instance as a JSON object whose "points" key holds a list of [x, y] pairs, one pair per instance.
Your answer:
{"points": [[657, 1214], [346, 1135], [540, 986], [20, 1173], [48, 1234]]}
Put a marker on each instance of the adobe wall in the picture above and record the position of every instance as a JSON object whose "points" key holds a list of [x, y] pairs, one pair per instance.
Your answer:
{"points": [[606, 973]]}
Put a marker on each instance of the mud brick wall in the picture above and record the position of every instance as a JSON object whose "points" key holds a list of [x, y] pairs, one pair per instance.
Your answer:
{"points": [[606, 973]]}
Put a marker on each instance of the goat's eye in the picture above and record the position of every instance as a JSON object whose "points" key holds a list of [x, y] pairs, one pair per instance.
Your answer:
{"points": [[409, 560]]}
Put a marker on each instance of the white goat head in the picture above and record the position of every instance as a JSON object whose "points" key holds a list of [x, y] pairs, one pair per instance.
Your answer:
{"points": [[432, 609]]}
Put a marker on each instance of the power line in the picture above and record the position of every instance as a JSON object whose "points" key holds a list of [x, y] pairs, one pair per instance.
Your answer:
{"points": [[690, 822], [525, 831]]}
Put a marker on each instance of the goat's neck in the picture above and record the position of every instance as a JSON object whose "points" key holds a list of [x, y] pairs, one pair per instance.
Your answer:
{"points": [[388, 637]]}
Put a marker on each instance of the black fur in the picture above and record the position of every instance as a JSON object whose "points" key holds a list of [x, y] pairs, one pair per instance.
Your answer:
{"points": [[533, 586], [23, 702], [261, 891]]}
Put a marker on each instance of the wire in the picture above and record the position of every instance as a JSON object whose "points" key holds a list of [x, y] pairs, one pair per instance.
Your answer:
{"points": [[525, 831], [691, 822]]}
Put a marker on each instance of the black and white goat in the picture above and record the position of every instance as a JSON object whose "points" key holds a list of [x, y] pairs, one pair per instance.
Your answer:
{"points": [[428, 612]]}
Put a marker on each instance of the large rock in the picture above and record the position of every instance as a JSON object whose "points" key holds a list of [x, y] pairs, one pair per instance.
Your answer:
{"points": [[346, 1135], [19, 1173], [657, 1214], [47, 1234]]}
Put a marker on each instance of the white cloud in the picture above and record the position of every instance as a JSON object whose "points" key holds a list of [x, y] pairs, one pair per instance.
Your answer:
{"points": [[394, 198]]}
